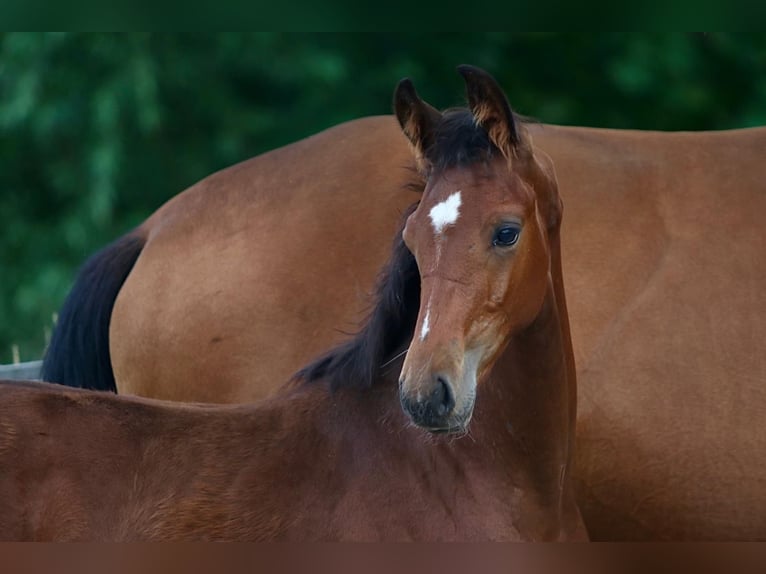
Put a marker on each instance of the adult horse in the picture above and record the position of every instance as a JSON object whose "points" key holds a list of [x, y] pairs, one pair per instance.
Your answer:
{"points": [[473, 289], [248, 274]]}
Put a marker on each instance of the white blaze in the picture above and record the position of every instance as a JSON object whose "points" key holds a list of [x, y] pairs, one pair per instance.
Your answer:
{"points": [[445, 213], [424, 329]]}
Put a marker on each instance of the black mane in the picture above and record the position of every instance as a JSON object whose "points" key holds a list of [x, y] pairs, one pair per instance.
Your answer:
{"points": [[387, 330]]}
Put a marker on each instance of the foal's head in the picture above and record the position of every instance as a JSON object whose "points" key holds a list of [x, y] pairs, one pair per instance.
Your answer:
{"points": [[480, 236]]}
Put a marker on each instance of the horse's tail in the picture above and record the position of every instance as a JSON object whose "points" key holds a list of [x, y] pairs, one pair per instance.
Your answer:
{"points": [[78, 353]]}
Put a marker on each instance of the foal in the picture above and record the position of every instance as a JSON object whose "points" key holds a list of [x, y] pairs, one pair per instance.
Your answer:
{"points": [[473, 289]]}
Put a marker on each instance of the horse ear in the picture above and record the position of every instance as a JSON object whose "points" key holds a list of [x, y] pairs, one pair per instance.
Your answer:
{"points": [[417, 118], [491, 109]]}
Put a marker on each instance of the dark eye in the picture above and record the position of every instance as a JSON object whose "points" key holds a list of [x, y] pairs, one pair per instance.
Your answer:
{"points": [[506, 236]]}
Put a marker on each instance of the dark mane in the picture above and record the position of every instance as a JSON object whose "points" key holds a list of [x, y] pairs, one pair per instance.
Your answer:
{"points": [[388, 328], [459, 141]]}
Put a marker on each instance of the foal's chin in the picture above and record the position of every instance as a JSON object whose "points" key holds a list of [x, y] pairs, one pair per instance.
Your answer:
{"points": [[455, 424]]}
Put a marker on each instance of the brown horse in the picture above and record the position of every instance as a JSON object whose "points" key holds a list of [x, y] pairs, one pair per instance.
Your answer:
{"points": [[256, 269], [473, 290]]}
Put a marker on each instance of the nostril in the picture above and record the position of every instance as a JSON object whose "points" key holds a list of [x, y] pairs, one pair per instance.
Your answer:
{"points": [[443, 400], [432, 410]]}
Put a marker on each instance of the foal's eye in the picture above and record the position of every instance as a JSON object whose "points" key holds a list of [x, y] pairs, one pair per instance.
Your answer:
{"points": [[506, 236]]}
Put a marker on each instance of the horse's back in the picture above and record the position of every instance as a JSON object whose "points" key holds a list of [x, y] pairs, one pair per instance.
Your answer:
{"points": [[46, 491], [79, 465]]}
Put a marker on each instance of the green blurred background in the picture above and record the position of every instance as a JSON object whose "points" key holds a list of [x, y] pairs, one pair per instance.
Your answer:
{"points": [[98, 130]]}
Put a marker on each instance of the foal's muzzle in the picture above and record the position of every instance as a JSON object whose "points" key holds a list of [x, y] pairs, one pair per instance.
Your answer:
{"points": [[434, 410]]}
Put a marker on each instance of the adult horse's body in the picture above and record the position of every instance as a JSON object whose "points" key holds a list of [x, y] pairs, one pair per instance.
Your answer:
{"points": [[251, 272], [473, 289]]}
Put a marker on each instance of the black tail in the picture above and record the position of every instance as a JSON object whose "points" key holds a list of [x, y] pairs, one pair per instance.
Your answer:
{"points": [[78, 354]]}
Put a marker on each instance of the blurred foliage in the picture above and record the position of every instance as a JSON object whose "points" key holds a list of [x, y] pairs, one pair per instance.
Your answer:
{"points": [[98, 130]]}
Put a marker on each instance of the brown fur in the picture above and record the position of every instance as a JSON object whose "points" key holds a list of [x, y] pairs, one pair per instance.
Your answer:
{"points": [[306, 466], [309, 464], [663, 248]]}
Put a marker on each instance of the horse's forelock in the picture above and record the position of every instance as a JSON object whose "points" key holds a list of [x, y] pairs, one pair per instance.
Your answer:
{"points": [[460, 141]]}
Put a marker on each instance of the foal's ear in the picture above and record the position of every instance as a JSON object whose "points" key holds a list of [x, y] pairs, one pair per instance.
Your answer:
{"points": [[417, 118], [491, 109]]}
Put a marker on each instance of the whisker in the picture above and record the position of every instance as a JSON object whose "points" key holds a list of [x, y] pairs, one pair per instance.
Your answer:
{"points": [[392, 359]]}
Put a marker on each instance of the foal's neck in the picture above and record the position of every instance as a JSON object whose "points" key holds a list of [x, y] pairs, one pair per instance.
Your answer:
{"points": [[527, 403], [528, 389]]}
